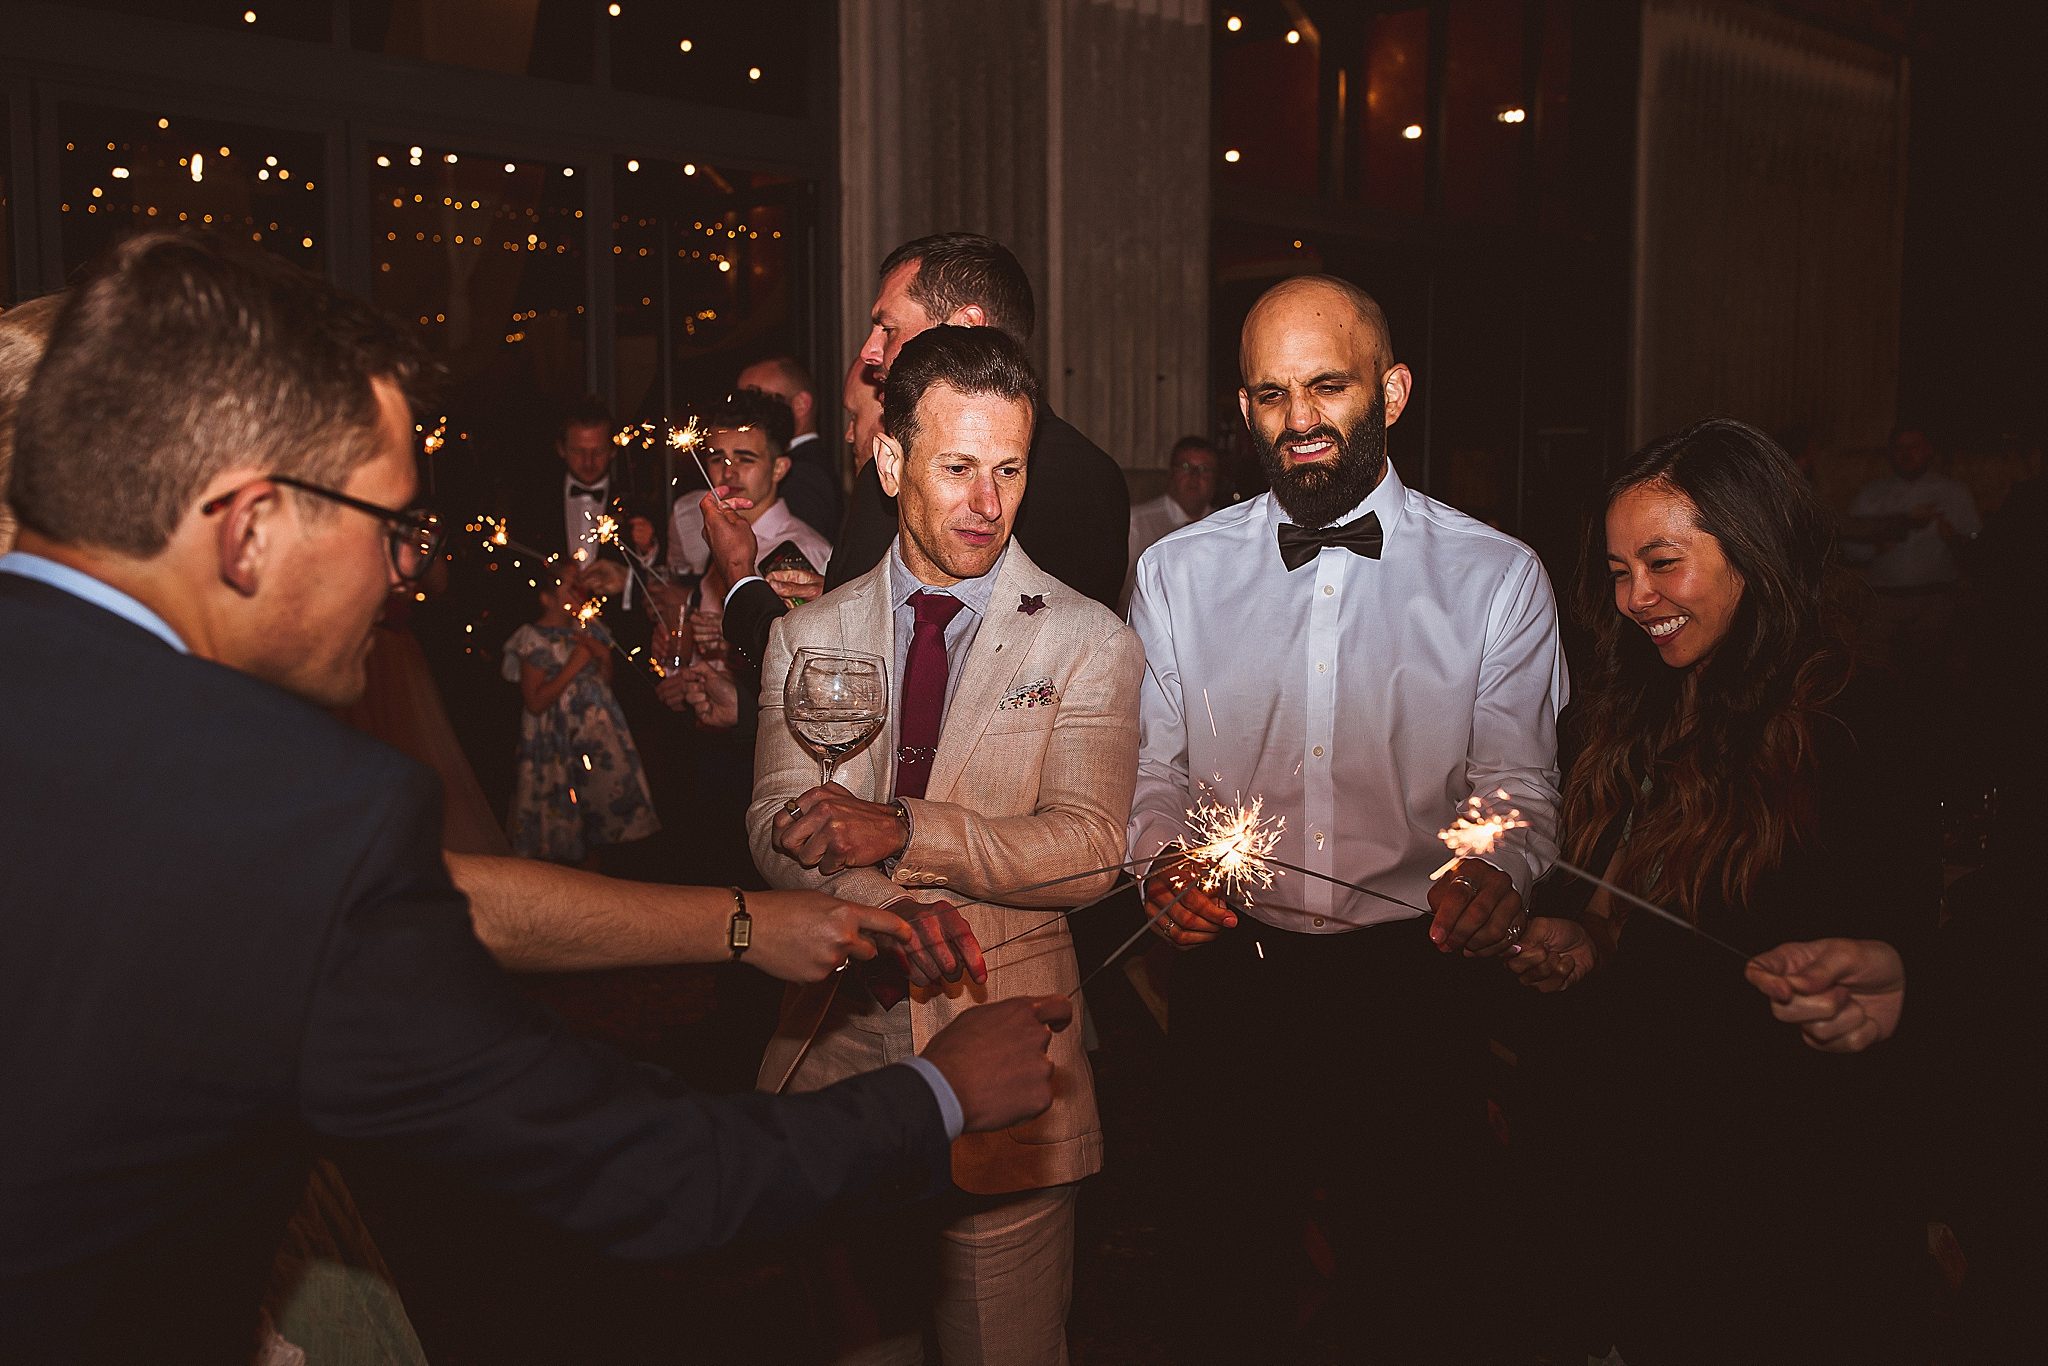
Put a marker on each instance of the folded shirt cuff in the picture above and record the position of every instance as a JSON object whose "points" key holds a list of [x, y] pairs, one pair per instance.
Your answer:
{"points": [[751, 578], [942, 1091]]}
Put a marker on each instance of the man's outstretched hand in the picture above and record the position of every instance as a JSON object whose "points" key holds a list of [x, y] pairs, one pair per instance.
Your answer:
{"points": [[1844, 994], [994, 1057]]}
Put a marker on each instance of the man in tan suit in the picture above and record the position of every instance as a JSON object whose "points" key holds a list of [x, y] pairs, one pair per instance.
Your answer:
{"points": [[1008, 758]]}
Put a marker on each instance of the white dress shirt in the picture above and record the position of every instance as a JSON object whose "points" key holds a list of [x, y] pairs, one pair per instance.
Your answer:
{"points": [[580, 511], [1150, 520], [690, 552], [1921, 559], [1365, 700]]}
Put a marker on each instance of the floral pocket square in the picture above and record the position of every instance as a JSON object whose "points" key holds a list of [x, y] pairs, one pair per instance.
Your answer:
{"points": [[1039, 693]]}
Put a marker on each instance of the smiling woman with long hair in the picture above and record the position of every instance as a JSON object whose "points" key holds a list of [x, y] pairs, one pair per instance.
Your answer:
{"points": [[1734, 766]]}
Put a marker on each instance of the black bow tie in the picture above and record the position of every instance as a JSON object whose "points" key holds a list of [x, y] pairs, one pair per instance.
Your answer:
{"points": [[1298, 546], [585, 491]]}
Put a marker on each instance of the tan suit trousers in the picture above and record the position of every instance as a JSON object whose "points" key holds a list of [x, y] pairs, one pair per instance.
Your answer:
{"points": [[1005, 1264]]}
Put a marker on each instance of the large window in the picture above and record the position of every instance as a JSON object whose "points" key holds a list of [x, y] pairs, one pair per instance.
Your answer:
{"points": [[710, 267], [486, 255], [123, 170]]}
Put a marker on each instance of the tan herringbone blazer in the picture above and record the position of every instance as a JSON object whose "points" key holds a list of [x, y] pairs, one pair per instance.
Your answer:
{"points": [[1018, 794]]}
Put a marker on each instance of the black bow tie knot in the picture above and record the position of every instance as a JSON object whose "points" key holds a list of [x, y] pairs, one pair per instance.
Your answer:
{"points": [[586, 491], [1298, 545]]}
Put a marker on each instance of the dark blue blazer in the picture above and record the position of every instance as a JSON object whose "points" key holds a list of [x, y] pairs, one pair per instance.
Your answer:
{"points": [[227, 935]]}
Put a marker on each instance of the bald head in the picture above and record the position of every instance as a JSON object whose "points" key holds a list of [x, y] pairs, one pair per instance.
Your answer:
{"points": [[1323, 303], [1320, 390]]}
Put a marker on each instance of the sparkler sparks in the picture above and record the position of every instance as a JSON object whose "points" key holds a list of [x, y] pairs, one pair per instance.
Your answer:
{"points": [[589, 611], [1477, 830], [1234, 844]]}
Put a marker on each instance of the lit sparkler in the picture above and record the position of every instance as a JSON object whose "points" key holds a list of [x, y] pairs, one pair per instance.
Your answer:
{"points": [[1235, 844], [1476, 832]]}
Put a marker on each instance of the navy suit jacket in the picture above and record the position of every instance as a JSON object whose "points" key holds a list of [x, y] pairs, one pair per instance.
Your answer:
{"points": [[226, 935]]}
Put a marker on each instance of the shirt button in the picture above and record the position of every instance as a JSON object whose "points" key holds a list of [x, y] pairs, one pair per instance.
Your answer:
{"points": [[1321, 667], [1327, 590], [1319, 922], [1317, 751]]}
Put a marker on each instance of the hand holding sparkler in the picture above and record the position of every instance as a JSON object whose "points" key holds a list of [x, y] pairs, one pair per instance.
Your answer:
{"points": [[1476, 910], [1475, 832], [1228, 857]]}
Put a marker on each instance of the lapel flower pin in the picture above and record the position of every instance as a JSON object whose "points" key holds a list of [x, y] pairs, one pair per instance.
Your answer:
{"points": [[1030, 604]]}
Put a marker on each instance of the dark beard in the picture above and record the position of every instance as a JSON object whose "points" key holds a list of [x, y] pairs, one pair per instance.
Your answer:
{"points": [[1314, 496]]}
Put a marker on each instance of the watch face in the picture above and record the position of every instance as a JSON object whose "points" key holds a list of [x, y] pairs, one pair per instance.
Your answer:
{"points": [[742, 931]]}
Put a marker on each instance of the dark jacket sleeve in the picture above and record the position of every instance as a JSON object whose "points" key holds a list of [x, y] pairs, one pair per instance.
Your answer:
{"points": [[416, 1040], [753, 609], [811, 490], [868, 532], [1075, 519]]}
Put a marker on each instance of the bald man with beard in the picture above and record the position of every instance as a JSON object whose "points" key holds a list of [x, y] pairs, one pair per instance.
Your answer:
{"points": [[1364, 659]]}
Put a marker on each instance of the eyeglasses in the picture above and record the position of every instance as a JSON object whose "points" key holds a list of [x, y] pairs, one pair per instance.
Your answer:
{"points": [[412, 539]]}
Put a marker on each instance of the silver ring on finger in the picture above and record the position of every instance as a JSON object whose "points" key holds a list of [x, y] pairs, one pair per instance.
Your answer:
{"points": [[1515, 934]]}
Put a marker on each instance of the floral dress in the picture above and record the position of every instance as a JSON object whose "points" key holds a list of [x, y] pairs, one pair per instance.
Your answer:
{"points": [[580, 782]]}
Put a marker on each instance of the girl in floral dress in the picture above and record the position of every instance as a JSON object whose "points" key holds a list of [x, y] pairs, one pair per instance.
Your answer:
{"points": [[580, 784]]}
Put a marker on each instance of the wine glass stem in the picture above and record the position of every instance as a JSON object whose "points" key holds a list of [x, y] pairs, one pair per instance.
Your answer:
{"points": [[827, 764]]}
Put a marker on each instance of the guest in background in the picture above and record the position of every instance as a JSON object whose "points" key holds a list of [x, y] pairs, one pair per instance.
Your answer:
{"points": [[1192, 471], [754, 604], [1076, 511], [556, 510], [812, 487], [1905, 529], [745, 440], [1741, 1193], [580, 784]]}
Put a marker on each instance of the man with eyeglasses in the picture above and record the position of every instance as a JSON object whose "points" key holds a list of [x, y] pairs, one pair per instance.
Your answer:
{"points": [[227, 934]]}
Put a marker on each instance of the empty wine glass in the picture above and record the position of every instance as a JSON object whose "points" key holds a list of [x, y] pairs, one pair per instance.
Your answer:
{"points": [[835, 701]]}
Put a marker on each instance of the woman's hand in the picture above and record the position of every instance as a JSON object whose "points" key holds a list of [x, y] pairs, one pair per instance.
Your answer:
{"points": [[1553, 954]]}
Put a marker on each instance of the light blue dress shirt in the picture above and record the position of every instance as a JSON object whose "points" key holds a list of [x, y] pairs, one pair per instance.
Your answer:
{"points": [[95, 591]]}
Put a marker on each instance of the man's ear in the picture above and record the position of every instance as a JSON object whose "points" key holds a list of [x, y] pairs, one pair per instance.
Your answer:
{"points": [[968, 315], [247, 536], [1244, 406], [802, 405], [889, 463], [1397, 384], [779, 471]]}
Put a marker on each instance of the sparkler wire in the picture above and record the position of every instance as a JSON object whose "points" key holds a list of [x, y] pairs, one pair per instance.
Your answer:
{"points": [[1136, 935], [1652, 907], [1356, 887]]}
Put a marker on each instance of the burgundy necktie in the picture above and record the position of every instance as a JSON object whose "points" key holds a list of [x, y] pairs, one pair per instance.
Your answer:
{"points": [[924, 692], [917, 739]]}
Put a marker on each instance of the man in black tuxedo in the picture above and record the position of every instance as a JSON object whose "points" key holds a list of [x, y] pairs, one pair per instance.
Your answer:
{"points": [[226, 931], [556, 511]]}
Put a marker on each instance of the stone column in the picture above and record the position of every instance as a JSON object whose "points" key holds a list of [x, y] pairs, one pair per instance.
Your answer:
{"points": [[1077, 133]]}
